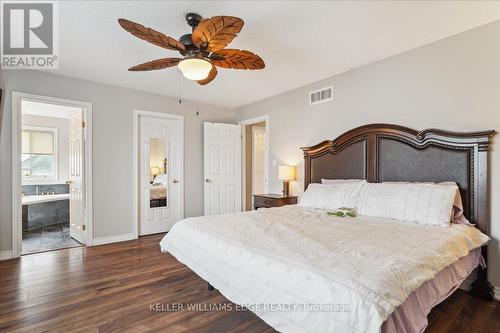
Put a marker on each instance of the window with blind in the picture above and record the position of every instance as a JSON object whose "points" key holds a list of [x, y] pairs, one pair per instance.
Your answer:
{"points": [[39, 153]]}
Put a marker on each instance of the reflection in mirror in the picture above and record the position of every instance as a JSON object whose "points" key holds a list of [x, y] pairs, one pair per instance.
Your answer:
{"points": [[158, 172]]}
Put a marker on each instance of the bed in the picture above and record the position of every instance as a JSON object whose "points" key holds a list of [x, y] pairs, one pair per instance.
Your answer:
{"points": [[302, 270]]}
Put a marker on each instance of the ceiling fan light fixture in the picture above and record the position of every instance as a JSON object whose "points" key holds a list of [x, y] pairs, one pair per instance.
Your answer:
{"points": [[203, 50], [195, 68]]}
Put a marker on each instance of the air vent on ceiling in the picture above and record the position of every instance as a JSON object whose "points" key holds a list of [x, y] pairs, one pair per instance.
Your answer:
{"points": [[320, 96]]}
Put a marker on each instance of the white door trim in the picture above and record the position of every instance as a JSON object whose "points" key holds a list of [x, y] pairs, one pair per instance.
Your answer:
{"points": [[251, 121], [17, 98], [135, 166]]}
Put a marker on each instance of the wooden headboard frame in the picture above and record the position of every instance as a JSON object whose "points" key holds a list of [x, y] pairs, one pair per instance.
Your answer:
{"points": [[385, 152]]}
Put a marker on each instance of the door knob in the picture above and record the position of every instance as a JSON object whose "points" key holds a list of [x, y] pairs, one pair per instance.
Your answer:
{"points": [[175, 181], [208, 180], [68, 182]]}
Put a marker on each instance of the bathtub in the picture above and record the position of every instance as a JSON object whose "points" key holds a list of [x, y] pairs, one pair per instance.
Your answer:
{"points": [[42, 210], [35, 199]]}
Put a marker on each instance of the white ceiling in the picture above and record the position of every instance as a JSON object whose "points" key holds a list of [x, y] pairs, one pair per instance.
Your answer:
{"points": [[301, 42]]}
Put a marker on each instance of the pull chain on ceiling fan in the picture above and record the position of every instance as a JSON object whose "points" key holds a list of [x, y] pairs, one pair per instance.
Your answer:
{"points": [[203, 50]]}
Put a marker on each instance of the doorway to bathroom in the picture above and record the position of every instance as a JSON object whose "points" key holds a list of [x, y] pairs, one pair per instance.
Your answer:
{"points": [[50, 186], [255, 155]]}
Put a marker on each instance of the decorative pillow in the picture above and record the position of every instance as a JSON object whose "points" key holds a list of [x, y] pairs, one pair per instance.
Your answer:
{"points": [[332, 196], [338, 181], [412, 202]]}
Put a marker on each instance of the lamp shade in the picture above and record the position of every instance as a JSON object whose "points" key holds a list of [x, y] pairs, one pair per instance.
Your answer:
{"points": [[286, 172], [155, 171], [195, 68]]}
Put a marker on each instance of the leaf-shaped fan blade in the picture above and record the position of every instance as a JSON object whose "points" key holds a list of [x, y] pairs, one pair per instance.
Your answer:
{"points": [[213, 34], [156, 64], [150, 35], [237, 59], [210, 77]]}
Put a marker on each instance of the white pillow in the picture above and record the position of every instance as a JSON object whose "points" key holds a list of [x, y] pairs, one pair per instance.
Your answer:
{"points": [[331, 196], [458, 198], [162, 179], [412, 202], [338, 181], [457, 213]]}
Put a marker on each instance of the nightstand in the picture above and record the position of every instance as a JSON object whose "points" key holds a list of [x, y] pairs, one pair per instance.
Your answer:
{"points": [[272, 200]]}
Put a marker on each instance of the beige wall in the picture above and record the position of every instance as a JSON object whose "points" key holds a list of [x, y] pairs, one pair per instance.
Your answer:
{"points": [[112, 149], [452, 84], [62, 126]]}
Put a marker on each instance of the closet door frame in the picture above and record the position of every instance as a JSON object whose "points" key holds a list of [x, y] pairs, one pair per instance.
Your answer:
{"points": [[136, 160]]}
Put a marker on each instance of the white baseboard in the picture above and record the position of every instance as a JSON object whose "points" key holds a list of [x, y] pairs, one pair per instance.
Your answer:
{"points": [[113, 239], [497, 293], [4, 255]]}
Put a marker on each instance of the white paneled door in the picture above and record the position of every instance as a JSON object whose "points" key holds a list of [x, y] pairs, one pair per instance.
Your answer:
{"points": [[160, 173], [222, 168], [76, 197]]}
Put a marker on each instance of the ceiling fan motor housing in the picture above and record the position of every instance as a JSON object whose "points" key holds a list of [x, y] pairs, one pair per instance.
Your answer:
{"points": [[187, 41], [191, 49], [192, 20]]}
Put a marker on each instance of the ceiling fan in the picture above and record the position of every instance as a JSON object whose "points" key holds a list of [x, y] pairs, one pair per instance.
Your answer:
{"points": [[203, 50]]}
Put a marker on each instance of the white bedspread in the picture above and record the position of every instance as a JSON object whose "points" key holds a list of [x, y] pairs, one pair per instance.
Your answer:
{"points": [[280, 261]]}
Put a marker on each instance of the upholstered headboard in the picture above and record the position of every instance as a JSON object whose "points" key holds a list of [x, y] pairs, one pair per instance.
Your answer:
{"points": [[385, 152]]}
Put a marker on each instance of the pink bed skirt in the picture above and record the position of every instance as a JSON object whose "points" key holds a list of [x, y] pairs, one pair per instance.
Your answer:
{"points": [[411, 316]]}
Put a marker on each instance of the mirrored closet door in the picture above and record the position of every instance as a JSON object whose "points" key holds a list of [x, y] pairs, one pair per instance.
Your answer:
{"points": [[160, 173]]}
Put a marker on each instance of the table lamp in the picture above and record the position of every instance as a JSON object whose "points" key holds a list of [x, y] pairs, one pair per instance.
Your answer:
{"points": [[286, 173], [155, 171]]}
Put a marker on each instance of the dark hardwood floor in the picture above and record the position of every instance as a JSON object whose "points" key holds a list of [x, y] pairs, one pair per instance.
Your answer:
{"points": [[110, 288]]}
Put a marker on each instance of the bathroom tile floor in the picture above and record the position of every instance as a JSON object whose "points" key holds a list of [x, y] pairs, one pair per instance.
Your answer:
{"points": [[51, 237]]}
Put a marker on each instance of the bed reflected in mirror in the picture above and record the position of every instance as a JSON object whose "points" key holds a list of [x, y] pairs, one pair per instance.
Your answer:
{"points": [[158, 173]]}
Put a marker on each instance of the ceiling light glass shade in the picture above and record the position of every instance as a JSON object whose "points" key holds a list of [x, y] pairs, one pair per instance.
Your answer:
{"points": [[195, 68]]}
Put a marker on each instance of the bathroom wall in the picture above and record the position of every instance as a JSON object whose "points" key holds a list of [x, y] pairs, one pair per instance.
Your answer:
{"points": [[45, 188]]}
